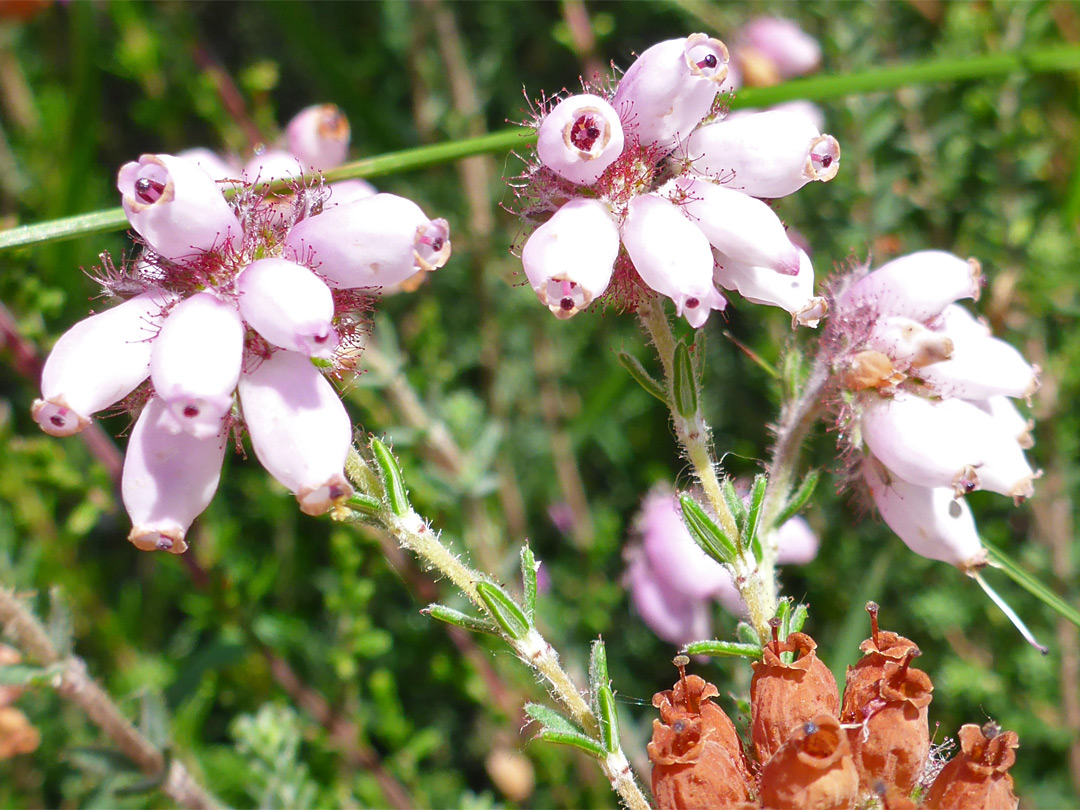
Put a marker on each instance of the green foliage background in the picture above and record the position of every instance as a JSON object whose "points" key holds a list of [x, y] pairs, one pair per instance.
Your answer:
{"points": [[541, 410]]}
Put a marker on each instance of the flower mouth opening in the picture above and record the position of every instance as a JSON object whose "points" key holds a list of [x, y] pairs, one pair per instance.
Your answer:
{"points": [[321, 499], [707, 58], [56, 418], [823, 162], [146, 539], [432, 246], [333, 125], [148, 183], [588, 133], [565, 298]]}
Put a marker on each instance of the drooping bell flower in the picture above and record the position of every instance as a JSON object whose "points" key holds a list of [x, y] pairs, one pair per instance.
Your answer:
{"points": [[696, 753], [299, 428], [812, 769], [169, 478], [765, 154], [666, 92], [289, 306], [318, 136], [195, 362], [736, 224], [176, 206], [917, 286], [763, 285], [978, 777], [568, 260], [98, 362], [372, 242], [672, 256], [790, 50], [579, 138], [784, 696]]}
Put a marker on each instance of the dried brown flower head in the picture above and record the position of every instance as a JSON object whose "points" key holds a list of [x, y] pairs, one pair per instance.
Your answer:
{"points": [[697, 757], [978, 777], [784, 696], [891, 746], [813, 770], [863, 679]]}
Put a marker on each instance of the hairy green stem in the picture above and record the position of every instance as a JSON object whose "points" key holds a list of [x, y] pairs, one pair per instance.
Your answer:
{"points": [[756, 581]]}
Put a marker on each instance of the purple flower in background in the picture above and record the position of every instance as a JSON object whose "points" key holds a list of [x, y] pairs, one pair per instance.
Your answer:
{"points": [[232, 316], [673, 583]]}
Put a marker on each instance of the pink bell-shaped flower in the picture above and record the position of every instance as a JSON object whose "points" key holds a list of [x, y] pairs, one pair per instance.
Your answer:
{"points": [[918, 286], [195, 363], [273, 165], [765, 154], [176, 206], [345, 191], [98, 362], [299, 429], [289, 306], [738, 225], [169, 478], [672, 256], [372, 242], [670, 88], [580, 138], [212, 163], [568, 260], [319, 136], [762, 285], [931, 521], [675, 617]]}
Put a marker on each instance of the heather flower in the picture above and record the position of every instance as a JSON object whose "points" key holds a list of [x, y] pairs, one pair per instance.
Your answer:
{"points": [[625, 155], [926, 391], [234, 311], [978, 776], [318, 136], [813, 769], [789, 50]]}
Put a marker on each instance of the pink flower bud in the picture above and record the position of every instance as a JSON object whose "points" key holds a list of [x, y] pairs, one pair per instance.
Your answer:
{"points": [[319, 136], [299, 429], [580, 138], [980, 365], [672, 256], [175, 206], [212, 163], [741, 227], [169, 478], [766, 154], [373, 242], [195, 363], [569, 258], [762, 285], [289, 306], [98, 362], [791, 50], [931, 521], [917, 286], [670, 88], [274, 164]]}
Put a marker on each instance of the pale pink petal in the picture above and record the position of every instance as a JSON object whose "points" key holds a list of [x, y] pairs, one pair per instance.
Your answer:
{"points": [[791, 50], [580, 138], [763, 285], [319, 136], [289, 306], [917, 286]]}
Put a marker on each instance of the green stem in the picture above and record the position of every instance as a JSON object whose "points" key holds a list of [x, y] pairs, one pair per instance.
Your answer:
{"points": [[1040, 590], [820, 88]]}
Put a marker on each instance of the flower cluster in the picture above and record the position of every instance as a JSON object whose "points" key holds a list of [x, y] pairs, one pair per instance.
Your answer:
{"points": [[928, 401], [650, 185], [673, 582], [234, 311], [813, 750]]}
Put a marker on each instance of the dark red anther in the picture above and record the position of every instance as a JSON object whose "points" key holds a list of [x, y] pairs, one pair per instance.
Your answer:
{"points": [[566, 303], [708, 62], [191, 411], [692, 303], [148, 191], [584, 133], [57, 420]]}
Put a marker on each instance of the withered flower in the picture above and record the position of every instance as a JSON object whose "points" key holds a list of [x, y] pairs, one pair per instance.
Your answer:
{"points": [[891, 746], [783, 696], [813, 770], [863, 679], [978, 777], [698, 759]]}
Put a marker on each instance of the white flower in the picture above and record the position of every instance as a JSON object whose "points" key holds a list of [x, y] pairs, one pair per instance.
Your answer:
{"points": [[580, 138]]}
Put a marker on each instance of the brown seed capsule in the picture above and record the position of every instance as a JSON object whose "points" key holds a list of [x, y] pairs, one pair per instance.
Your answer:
{"points": [[783, 696], [862, 679], [977, 778], [697, 757], [812, 771], [891, 746]]}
